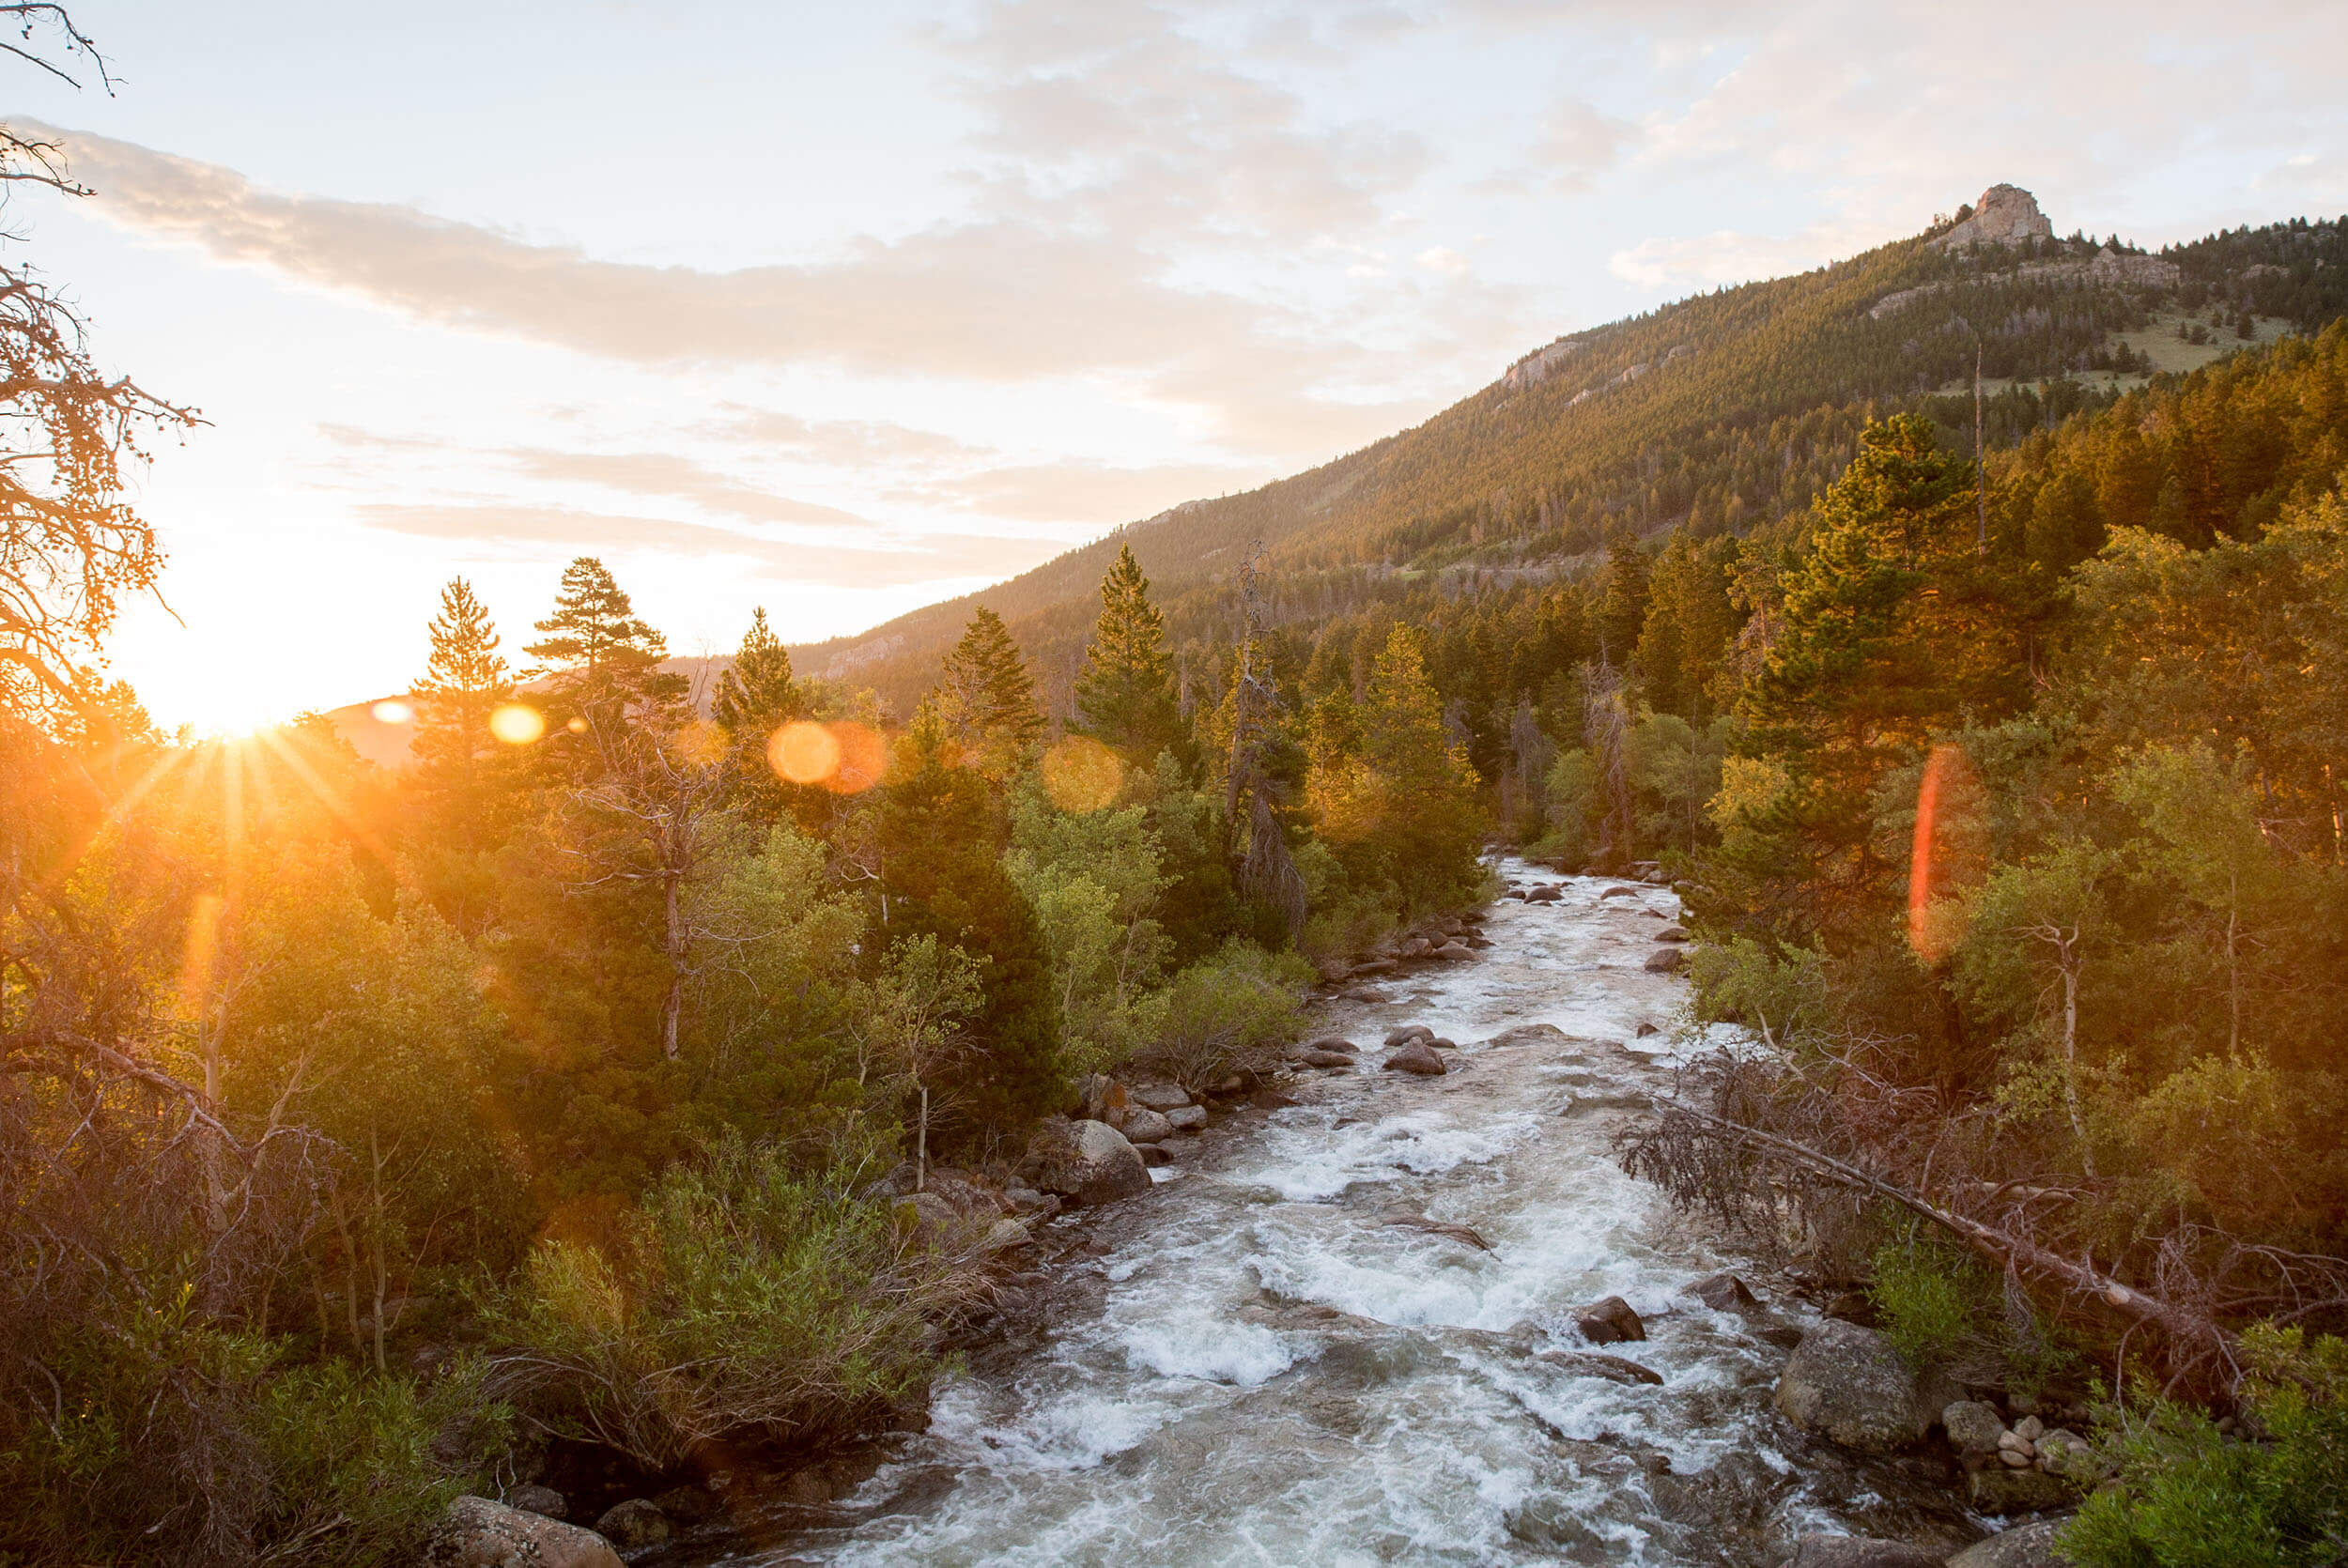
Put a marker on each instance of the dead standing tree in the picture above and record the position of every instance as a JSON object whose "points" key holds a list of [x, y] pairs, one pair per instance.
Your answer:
{"points": [[1266, 869], [1606, 729]]}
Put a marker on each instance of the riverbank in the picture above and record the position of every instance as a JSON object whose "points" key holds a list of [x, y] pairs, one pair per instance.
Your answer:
{"points": [[1293, 1349]]}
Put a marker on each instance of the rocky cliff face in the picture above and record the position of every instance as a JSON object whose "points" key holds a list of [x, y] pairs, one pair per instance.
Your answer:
{"points": [[2005, 215]]}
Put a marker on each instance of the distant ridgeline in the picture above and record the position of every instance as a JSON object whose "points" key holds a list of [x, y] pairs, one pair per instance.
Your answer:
{"points": [[1720, 413]]}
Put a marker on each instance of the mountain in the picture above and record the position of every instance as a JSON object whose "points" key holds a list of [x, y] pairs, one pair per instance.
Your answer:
{"points": [[1722, 411]]}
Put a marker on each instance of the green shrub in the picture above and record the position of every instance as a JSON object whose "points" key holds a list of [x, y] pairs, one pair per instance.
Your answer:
{"points": [[1229, 1013], [1929, 1295], [2190, 1497], [744, 1301]]}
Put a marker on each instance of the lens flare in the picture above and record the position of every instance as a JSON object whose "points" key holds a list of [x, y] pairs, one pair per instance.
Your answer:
{"points": [[393, 711], [1082, 775], [518, 724], [701, 742], [803, 753], [1948, 860], [845, 758]]}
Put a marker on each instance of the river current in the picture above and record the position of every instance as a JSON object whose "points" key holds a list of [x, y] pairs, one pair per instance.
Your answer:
{"points": [[1256, 1364]]}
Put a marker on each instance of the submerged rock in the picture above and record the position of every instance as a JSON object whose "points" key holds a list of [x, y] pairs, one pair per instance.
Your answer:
{"points": [[478, 1533], [1590, 1364], [1859, 1551], [1848, 1385]]}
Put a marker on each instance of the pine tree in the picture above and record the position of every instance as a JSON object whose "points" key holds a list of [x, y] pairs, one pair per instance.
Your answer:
{"points": [[602, 657], [1126, 688], [759, 694], [985, 699], [465, 680], [1622, 613]]}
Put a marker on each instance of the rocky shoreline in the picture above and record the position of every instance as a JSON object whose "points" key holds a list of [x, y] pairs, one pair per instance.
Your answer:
{"points": [[1029, 1231]]}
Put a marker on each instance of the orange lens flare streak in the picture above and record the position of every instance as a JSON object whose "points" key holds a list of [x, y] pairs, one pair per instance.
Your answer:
{"points": [[1940, 865]]}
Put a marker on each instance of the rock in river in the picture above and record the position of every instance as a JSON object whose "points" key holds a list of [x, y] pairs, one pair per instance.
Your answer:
{"points": [[2031, 1545], [1848, 1385], [637, 1522], [1418, 1057], [478, 1533], [1667, 961], [1086, 1162], [1609, 1322], [1859, 1551]]}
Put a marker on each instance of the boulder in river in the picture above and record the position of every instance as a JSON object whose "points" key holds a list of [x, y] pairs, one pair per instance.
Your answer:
{"points": [[637, 1522], [1454, 951], [2003, 1489], [1848, 1384], [1859, 1551], [1724, 1292], [1086, 1162], [1160, 1097], [1672, 934], [478, 1533], [1147, 1127], [1324, 1059], [1418, 1057], [1186, 1119], [1331, 1042], [1667, 961], [2031, 1545], [1972, 1426], [1609, 1322], [1545, 895], [1408, 1032]]}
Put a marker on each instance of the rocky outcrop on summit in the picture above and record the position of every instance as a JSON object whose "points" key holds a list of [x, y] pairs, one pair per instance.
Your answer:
{"points": [[2005, 215]]}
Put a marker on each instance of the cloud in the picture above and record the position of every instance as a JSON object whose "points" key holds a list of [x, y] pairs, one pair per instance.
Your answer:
{"points": [[933, 558], [1083, 492], [1444, 260], [1578, 143], [1730, 256]]}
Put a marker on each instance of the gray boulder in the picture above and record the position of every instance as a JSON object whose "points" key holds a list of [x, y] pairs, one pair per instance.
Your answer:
{"points": [[1146, 1126], [1667, 961], [1186, 1119], [1859, 1551], [1725, 1293], [2031, 1545], [2006, 1489], [538, 1499], [1160, 1097], [1408, 1032], [1848, 1385], [1418, 1057], [1454, 951], [1085, 1163], [1672, 934], [637, 1522], [478, 1533], [1324, 1059], [1332, 1042], [1973, 1427]]}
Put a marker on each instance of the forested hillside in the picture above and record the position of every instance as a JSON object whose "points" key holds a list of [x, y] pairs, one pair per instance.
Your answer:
{"points": [[1725, 412]]}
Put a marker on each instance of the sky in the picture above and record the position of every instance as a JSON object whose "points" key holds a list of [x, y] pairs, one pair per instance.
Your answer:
{"points": [[841, 310]]}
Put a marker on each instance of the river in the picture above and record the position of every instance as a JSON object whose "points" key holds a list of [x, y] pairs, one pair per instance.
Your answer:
{"points": [[1261, 1367]]}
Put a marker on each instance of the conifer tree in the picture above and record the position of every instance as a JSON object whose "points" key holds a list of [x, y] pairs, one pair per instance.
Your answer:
{"points": [[1622, 612], [465, 680], [985, 697], [604, 658], [1125, 691], [759, 692]]}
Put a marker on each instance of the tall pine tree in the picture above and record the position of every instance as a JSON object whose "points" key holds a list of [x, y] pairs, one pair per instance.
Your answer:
{"points": [[1125, 691], [756, 697], [465, 680], [985, 699], [603, 660]]}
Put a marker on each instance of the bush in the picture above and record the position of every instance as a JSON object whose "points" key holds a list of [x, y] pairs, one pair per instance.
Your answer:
{"points": [[1929, 1296], [1230, 1013], [2190, 1497], [744, 1301]]}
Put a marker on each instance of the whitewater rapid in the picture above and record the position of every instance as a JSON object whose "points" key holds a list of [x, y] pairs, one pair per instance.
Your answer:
{"points": [[1260, 1368]]}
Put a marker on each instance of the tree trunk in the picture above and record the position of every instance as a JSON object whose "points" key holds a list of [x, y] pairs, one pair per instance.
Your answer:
{"points": [[672, 1004], [2070, 1055], [921, 1145]]}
